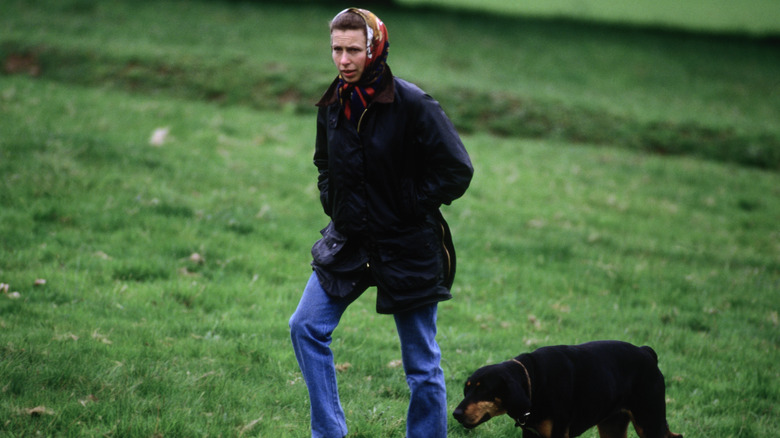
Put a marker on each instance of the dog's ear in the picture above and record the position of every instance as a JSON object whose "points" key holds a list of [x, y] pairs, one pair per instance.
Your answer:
{"points": [[516, 402]]}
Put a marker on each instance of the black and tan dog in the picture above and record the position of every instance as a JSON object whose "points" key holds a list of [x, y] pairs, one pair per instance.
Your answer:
{"points": [[562, 391]]}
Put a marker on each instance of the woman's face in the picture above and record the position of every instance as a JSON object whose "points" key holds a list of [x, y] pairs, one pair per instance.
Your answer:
{"points": [[348, 48]]}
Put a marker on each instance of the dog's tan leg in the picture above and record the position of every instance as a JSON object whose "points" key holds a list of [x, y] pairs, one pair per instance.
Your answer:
{"points": [[615, 426], [651, 427], [670, 434], [655, 431]]}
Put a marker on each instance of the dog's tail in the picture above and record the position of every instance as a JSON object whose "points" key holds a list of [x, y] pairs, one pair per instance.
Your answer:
{"points": [[651, 351]]}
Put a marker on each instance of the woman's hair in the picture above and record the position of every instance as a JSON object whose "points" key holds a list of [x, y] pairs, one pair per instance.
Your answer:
{"points": [[348, 20]]}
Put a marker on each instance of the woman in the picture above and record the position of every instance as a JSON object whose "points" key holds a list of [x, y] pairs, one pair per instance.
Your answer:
{"points": [[388, 158]]}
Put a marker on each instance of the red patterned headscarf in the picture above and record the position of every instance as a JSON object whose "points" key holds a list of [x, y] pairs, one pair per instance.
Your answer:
{"points": [[355, 98]]}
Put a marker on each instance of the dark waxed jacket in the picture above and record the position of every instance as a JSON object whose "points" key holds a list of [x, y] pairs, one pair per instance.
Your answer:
{"points": [[382, 183]]}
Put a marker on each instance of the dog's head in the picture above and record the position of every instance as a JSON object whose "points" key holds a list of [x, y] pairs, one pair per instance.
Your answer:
{"points": [[491, 391]]}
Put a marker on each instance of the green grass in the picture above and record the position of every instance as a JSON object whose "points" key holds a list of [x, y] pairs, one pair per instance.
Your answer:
{"points": [[110, 222], [558, 242]]}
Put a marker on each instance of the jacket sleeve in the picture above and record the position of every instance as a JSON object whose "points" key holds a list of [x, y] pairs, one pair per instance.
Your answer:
{"points": [[321, 158], [445, 167]]}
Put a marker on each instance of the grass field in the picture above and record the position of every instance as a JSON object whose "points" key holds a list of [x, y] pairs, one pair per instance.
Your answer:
{"points": [[673, 93], [150, 283], [754, 17]]}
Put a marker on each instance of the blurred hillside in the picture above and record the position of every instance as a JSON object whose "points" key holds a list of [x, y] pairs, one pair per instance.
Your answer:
{"points": [[666, 91], [755, 17]]}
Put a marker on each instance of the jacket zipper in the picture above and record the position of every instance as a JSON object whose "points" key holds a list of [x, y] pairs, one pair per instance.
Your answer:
{"points": [[360, 120], [446, 251]]}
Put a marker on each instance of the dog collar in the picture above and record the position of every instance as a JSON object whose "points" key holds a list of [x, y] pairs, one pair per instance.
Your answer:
{"points": [[527, 377], [522, 423], [518, 421]]}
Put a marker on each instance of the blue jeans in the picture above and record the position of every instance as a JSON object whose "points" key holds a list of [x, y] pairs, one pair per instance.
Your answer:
{"points": [[311, 327]]}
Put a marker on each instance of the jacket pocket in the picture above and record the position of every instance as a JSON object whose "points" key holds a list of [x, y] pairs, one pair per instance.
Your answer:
{"points": [[338, 254], [325, 251], [411, 262]]}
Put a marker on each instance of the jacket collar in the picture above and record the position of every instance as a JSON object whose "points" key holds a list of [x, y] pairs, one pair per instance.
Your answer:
{"points": [[387, 94]]}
